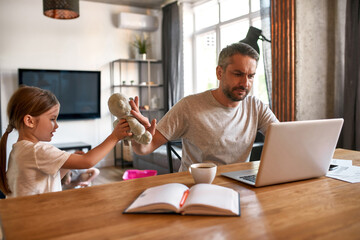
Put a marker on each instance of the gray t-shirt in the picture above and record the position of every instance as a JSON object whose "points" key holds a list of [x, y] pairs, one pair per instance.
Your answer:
{"points": [[211, 132]]}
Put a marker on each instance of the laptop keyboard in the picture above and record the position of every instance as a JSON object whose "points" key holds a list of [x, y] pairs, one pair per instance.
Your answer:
{"points": [[251, 178]]}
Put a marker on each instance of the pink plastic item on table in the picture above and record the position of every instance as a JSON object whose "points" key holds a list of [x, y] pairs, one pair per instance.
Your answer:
{"points": [[135, 173]]}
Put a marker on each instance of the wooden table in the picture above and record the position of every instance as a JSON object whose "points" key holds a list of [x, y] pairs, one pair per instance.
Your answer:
{"points": [[322, 208]]}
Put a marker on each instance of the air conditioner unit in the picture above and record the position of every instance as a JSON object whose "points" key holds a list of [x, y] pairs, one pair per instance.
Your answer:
{"points": [[137, 21]]}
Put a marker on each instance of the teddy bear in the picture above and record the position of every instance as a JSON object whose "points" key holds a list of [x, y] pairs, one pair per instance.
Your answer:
{"points": [[119, 106]]}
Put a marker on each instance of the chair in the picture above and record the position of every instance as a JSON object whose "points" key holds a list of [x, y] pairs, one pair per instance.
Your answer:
{"points": [[254, 156], [170, 149], [257, 147], [2, 196]]}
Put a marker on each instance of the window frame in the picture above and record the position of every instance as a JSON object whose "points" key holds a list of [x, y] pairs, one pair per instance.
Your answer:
{"points": [[250, 16]]}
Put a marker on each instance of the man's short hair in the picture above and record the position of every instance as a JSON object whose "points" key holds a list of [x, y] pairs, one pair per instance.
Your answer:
{"points": [[236, 48]]}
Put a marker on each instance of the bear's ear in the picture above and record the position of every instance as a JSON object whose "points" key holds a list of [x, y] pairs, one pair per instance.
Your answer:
{"points": [[122, 104]]}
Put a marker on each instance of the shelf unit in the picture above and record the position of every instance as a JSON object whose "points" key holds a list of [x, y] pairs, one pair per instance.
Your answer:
{"points": [[141, 78]]}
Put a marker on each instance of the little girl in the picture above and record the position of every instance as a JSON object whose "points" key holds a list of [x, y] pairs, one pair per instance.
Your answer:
{"points": [[34, 166]]}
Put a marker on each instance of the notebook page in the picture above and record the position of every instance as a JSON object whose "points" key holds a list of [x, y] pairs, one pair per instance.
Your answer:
{"points": [[168, 193], [213, 195]]}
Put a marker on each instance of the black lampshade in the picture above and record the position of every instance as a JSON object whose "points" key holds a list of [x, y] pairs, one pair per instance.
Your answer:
{"points": [[61, 9], [252, 37]]}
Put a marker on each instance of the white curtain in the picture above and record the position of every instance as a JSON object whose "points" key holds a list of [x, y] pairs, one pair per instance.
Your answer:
{"points": [[266, 31]]}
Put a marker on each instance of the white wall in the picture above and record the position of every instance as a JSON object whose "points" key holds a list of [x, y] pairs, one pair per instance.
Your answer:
{"points": [[31, 40]]}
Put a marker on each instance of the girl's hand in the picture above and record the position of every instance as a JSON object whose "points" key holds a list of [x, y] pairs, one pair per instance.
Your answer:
{"points": [[122, 129]]}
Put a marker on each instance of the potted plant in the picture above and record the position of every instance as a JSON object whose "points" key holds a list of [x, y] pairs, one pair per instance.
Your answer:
{"points": [[142, 44]]}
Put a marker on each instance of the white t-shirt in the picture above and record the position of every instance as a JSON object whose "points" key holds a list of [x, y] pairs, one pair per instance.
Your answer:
{"points": [[34, 168], [211, 132]]}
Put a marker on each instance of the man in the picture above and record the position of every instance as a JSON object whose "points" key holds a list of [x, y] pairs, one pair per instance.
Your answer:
{"points": [[218, 125]]}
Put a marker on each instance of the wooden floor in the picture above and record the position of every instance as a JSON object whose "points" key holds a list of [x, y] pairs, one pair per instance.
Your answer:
{"points": [[109, 175]]}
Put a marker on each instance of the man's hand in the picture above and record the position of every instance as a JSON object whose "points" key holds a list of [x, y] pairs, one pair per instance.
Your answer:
{"points": [[142, 119], [157, 140], [152, 128]]}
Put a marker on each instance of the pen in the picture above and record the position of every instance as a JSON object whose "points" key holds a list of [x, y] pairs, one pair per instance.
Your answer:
{"points": [[184, 197]]}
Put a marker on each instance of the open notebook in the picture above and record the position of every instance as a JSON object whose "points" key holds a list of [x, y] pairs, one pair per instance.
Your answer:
{"points": [[293, 151]]}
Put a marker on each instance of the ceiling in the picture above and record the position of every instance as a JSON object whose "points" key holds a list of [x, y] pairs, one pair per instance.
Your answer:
{"points": [[153, 4]]}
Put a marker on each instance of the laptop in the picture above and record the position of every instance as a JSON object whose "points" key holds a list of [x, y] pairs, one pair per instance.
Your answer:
{"points": [[293, 151]]}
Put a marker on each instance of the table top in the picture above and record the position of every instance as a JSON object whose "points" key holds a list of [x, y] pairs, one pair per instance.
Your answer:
{"points": [[323, 208]]}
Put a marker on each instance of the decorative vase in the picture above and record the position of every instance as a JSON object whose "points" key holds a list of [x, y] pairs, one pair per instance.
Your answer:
{"points": [[142, 56]]}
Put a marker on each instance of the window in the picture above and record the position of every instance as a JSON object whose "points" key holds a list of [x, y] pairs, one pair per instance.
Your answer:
{"points": [[206, 60], [231, 9], [207, 28], [206, 15]]}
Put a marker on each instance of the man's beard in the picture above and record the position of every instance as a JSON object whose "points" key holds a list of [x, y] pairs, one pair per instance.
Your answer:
{"points": [[235, 97]]}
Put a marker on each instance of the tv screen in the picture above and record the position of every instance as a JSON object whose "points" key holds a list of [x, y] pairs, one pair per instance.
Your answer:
{"points": [[77, 91]]}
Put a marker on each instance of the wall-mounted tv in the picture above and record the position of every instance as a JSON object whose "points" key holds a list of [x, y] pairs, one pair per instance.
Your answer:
{"points": [[77, 91]]}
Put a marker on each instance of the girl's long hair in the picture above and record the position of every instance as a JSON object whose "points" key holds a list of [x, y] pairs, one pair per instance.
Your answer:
{"points": [[26, 100]]}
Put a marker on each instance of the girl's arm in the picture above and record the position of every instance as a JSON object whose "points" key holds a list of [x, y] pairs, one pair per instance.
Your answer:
{"points": [[92, 157]]}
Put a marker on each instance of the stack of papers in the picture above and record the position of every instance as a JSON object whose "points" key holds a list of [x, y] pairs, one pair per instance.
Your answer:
{"points": [[345, 171]]}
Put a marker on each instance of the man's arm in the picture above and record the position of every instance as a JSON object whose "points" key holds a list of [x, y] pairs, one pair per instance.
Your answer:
{"points": [[157, 140], [142, 149]]}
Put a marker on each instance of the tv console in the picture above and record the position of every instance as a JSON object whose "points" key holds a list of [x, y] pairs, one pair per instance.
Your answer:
{"points": [[73, 146]]}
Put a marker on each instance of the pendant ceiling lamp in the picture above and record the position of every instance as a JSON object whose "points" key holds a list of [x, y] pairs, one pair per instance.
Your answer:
{"points": [[61, 9]]}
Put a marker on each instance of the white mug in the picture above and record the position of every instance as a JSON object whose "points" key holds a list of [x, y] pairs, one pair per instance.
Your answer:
{"points": [[203, 172]]}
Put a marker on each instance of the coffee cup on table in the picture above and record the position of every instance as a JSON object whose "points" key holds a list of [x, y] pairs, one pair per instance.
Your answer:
{"points": [[203, 172]]}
